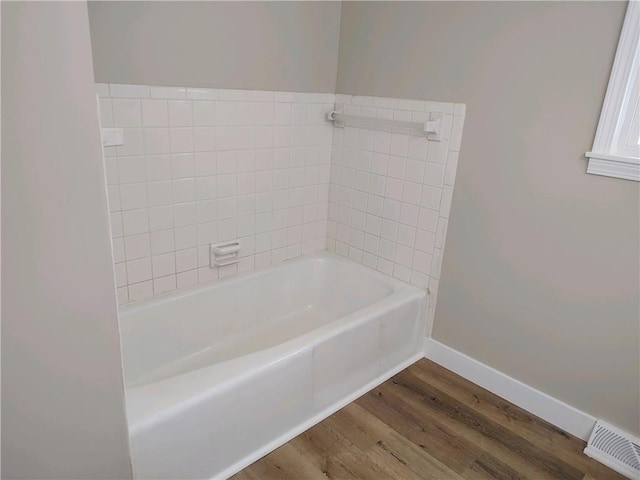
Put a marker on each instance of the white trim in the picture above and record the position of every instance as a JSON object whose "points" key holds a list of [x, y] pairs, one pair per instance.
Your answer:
{"points": [[615, 158], [616, 166], [619, 103], [623, 64], [554, 411]]}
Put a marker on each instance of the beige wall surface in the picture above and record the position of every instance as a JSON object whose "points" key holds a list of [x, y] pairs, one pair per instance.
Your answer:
{"points": [[541, 272], [63, 410], [286, 46]]}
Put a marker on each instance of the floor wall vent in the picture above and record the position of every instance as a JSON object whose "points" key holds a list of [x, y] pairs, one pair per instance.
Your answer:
{"points": [[615, 448]]}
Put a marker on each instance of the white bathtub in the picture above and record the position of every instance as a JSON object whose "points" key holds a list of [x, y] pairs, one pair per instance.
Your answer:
{"points": [[219, 375]]}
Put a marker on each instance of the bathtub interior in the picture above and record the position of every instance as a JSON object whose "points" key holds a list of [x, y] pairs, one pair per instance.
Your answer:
{"points": [[181, 332]]}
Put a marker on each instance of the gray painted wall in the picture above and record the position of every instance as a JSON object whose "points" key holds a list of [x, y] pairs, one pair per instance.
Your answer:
{"points": [[287, 46], [540, 278], [63, 413], [541, 272]]}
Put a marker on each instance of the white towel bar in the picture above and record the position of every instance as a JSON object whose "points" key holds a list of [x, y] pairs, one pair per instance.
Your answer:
{"points": [[430, 129]]}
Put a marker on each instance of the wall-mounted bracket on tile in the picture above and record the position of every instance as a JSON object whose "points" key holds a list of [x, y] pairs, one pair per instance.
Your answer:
{"points": [[433, 126], [112, 137], [335, 116], [225, 253], [430, 129]]}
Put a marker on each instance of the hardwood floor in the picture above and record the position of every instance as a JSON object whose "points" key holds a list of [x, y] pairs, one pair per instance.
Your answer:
{"points": [[429, 423]]}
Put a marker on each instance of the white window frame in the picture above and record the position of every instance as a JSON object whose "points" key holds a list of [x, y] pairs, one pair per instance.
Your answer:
{"points": [[612, 155]]}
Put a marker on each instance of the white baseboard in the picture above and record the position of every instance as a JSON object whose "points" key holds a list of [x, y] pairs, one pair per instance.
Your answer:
{"points": [[554, 411]]}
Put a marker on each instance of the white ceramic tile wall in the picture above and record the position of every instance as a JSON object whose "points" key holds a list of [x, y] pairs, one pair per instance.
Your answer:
{"points": [[201, 166], [390, 193]]}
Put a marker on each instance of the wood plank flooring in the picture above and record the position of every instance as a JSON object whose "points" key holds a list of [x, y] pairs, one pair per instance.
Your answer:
{"points": [[429, 423]]}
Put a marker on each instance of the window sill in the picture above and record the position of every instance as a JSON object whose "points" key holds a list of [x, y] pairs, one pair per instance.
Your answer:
{"points": [[617, 166]]}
